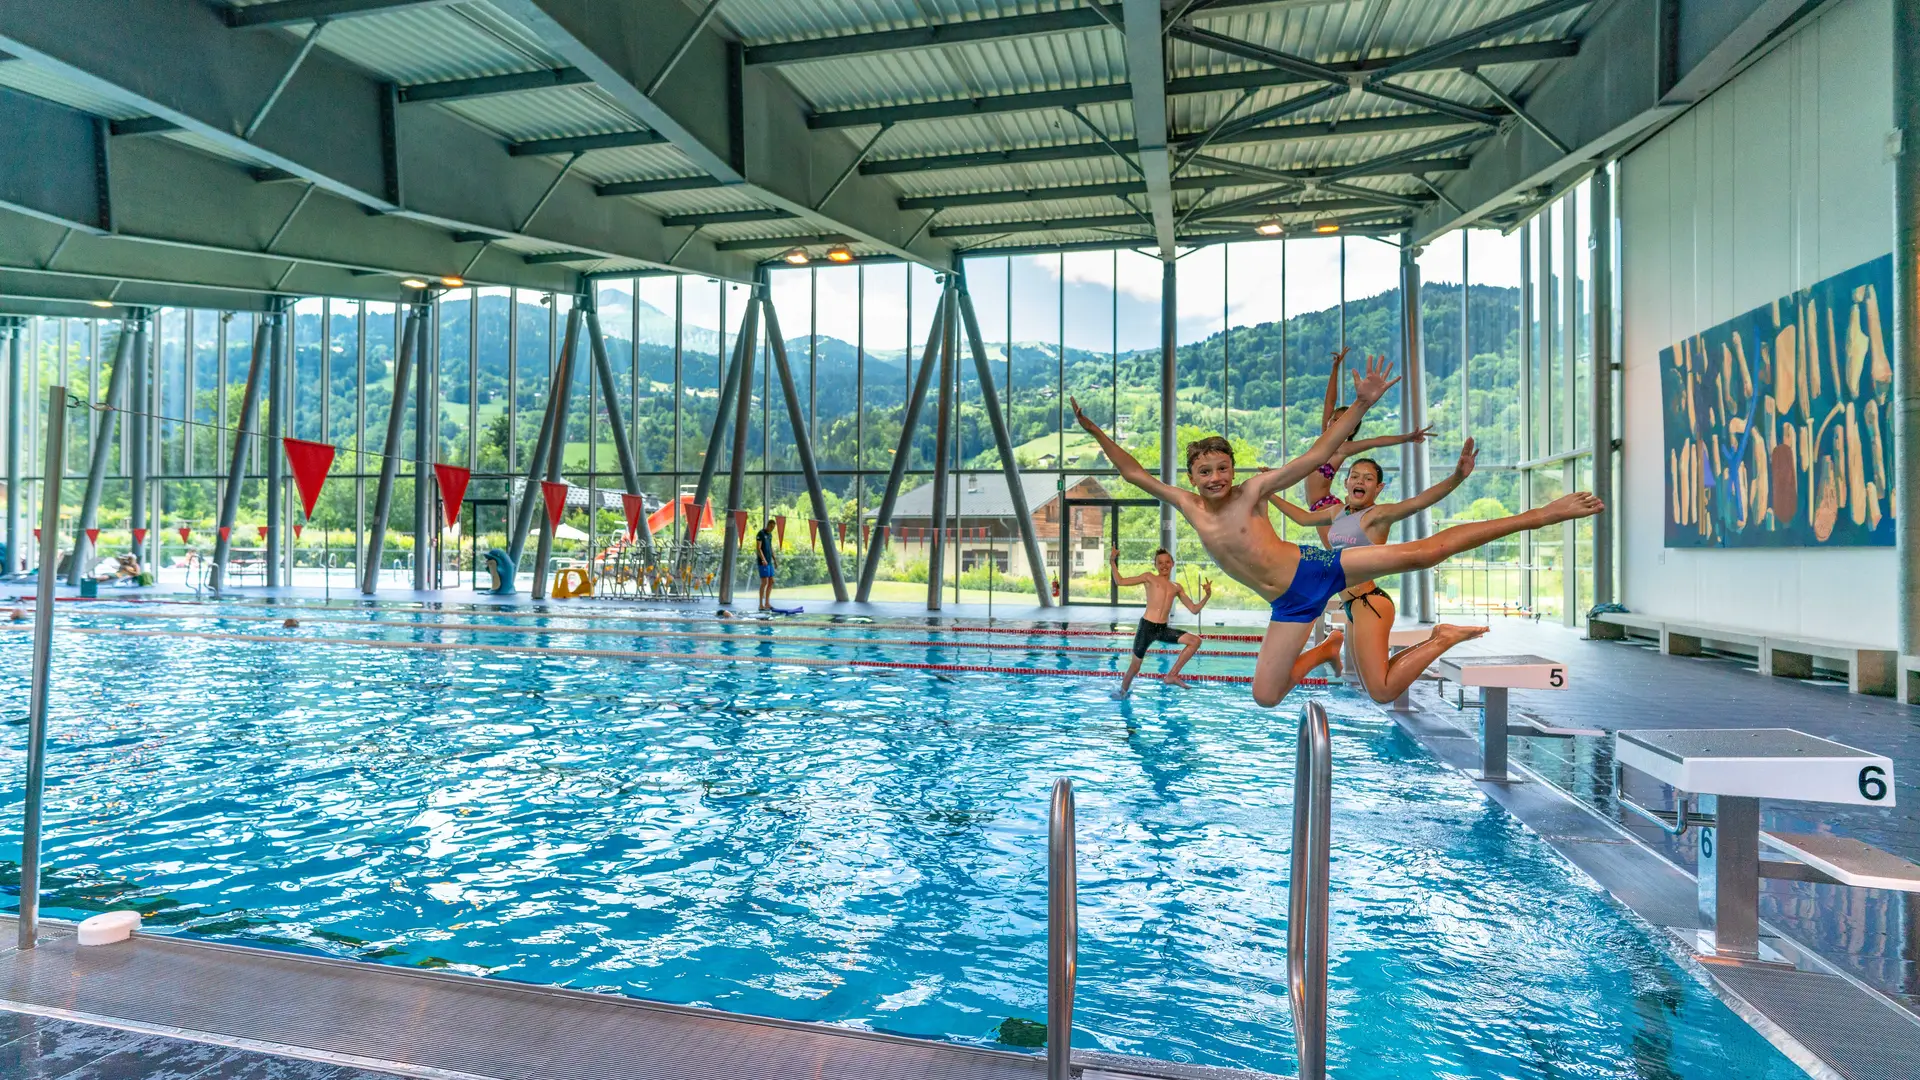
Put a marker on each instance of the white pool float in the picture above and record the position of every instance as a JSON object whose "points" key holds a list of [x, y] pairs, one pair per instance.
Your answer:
{"points": [[109, 927]]}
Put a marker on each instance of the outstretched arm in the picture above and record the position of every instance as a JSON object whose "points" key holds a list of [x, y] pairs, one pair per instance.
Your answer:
{"points": [[1332, 400], [1113, 563], [1206, 594], [1300, 515], [1389, 513], [1367, 390], [1130, 470], [1355, 446]]}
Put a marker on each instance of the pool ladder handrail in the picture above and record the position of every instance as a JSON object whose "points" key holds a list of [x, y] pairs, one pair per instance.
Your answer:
{"points": [[1063, 929], [1307, 891]]}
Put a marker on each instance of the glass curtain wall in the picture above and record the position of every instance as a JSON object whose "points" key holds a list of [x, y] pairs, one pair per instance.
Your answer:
{"points": [[1506, 332]]}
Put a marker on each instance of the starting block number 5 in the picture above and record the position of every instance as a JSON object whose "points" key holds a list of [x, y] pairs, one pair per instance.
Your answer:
{"points": [[1557, 677]]}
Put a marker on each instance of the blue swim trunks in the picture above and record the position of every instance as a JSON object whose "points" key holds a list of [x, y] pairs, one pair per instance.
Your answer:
{"points": [[1317, 579]]}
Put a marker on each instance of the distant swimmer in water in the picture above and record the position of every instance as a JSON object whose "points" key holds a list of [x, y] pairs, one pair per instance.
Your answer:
{"points": [[1162, 590], [1361, 521]]}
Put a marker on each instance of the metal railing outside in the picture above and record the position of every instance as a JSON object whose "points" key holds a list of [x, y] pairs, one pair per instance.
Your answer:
{"points": [[1307, 891], [1063, 930]]}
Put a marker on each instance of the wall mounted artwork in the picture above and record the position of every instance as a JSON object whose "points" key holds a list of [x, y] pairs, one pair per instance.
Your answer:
{"points": [[1779, 431]]}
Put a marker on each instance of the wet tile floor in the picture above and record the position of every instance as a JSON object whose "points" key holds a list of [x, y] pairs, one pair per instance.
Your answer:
{"points": [[38, 1048]]}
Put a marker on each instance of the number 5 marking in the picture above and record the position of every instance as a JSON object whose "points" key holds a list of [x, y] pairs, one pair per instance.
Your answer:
{"points": [[1873, 784], [1556, 677]]}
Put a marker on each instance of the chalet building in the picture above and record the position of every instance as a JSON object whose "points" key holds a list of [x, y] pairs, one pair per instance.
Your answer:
{"points": [[980, 507]]}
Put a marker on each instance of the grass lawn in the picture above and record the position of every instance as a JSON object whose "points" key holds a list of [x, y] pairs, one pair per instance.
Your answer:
{"points": [[903, 592]]}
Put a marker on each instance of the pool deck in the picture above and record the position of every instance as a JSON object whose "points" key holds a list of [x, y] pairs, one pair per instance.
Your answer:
{"points": [[1850, 1005], [196, 1004]]}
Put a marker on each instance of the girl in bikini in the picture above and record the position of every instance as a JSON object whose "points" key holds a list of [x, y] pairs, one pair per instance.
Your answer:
{"points": [[1362, 521]]}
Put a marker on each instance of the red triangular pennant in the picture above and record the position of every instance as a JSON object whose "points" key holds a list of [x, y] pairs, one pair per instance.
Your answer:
{"points": [[262, 529], [297, 526], [310, 462], [93, 537], [556, 496], [813, 533], [702, 515], [634, 505], [453, 489], [740, 524], [226, 532], [139, 537], [780, 529], [36, 533], [843, 534], [185, 532], [866, 535]]}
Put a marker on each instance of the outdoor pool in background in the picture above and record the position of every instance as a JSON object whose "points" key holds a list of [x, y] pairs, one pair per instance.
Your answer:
{"points": [[857, 846]]}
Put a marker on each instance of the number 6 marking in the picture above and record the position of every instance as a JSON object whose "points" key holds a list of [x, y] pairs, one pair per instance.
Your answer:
{"points": [[1873, 784], [1706, 843], [1556, 677]]}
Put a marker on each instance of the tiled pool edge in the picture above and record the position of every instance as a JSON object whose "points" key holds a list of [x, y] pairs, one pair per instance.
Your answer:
{"points": [[1652, 891]]}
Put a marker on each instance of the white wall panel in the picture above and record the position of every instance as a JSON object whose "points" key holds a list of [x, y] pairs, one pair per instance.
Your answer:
{"points": [[1776, 182]]}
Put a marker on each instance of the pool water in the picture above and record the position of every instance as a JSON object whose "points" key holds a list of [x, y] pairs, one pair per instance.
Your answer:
{"points": [[858, 846]]}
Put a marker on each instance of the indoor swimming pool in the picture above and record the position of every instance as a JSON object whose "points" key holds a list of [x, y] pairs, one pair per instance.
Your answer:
{"points": [[797, 837]]}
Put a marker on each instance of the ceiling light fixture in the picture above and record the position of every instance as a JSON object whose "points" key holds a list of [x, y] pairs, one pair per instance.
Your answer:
{"points": [[796, 257], [1270, 227], [413, 283], [453, 281], [1327, 226], [840, 253], [101, 303]]}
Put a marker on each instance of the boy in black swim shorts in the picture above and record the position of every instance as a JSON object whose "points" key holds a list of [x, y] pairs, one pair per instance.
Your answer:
{"points": [[1162, 590]]}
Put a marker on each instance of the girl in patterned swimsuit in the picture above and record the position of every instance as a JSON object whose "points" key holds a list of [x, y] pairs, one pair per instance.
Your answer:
{"points": [[1363, 521]]}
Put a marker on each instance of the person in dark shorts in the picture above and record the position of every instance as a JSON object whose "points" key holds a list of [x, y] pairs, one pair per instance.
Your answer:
{"points": [[763, 558], [1162, 590]]}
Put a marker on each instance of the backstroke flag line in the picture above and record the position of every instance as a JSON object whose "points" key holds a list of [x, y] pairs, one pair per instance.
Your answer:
{"points": [[453, 489], [310, 462]]}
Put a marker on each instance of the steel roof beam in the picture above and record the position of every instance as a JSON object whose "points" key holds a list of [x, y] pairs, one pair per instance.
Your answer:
{"points": [[143, 125], [1531, 52], [1394, 166], [1628, 81], [293, 12], [1147, 78], [743, 126], [784, 242], [1104, 221], [655, 187], [726, 217], [490, 85], [1278, 133], [180, 63], [578, 144]]}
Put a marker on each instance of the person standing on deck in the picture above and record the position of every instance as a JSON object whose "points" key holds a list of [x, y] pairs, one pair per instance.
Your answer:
{"points": [[763, 559], [1162, 590]]}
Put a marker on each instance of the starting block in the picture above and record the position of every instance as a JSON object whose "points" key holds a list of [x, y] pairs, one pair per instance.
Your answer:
{"points": [[1495, 675], [1729, 771]]}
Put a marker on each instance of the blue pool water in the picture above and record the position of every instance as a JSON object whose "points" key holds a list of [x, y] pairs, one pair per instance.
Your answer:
{"points": [[858, 846]]}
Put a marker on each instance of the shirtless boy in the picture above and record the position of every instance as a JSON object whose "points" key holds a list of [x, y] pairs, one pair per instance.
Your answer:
{"points": [[1232, 523], [1162, 590]]}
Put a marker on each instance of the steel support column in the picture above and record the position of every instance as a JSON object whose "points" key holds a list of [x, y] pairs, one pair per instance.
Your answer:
{"points": [[1413, 412], [729, 386], [1601, 384], [390, 450], [1906, 313], [237, 463], [276, 429], [102, 455], [1169, 398], [903, 451], [426, 416], [1003, 442], [560, 389], [803, 446], [536, 467], [629, 472], [942, 445], [137, 425], [742, 412], [16, 431]]}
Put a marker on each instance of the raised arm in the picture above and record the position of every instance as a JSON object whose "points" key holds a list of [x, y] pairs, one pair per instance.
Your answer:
{"points": [[1206, 594], [1388, 513], [1332, 400], [1113, 564], [1300, 515], [1130, 470], [1367, 390], [1356, 446]]}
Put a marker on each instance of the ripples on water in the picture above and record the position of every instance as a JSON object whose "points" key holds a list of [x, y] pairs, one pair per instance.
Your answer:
{"points": [[856, 847]]}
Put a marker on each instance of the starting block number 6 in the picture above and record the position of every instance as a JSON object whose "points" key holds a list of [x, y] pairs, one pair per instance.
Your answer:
{"points": [[1873, 783]]}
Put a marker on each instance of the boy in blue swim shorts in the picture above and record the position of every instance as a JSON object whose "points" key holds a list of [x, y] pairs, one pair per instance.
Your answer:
{"points": [[1231, 520]]}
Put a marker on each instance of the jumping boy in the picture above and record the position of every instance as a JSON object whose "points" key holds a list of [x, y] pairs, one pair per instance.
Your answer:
{"points": [[1232, 523], [1162, 590]]}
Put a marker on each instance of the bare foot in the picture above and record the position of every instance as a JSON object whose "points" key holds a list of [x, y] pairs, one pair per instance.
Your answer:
{"points": [[1578, 504], [1121, 694], [1175, 680], [1333, 644], [1453, 634]]}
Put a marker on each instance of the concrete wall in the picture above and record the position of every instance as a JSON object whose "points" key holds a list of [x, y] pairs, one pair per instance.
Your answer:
{"points": [[1778, 180]]}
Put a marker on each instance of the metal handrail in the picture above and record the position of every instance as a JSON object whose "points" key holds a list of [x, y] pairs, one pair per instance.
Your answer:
{"points": [[1307, 891], [1063, 930]]}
